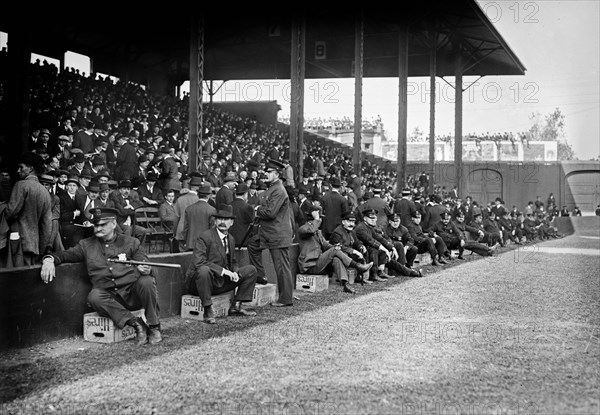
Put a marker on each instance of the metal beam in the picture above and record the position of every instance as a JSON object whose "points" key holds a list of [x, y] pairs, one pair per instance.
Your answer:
{"points": [[402, 105], [195, 103], [432, 72], [298, 63], [458, 114], [358, 81]]}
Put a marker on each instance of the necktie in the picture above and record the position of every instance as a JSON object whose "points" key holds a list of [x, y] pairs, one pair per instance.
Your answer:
{"points": [[87, 210], [226, 245]]}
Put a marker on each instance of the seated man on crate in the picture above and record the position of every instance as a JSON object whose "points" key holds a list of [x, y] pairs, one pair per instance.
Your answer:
{"points": [[117, 288], [317, 254], [214, 268]]}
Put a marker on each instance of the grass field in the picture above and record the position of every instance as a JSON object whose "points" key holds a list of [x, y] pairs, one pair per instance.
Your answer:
{"points": [[515, 334]]}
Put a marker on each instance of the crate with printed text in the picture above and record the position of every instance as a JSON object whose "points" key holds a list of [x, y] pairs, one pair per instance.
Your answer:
{"points": [[264, 294], [312, 283], [191, 306], [100, 329]]}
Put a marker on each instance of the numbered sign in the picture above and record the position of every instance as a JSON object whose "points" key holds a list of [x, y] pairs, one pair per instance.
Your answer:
{"points": [[320, 50]]}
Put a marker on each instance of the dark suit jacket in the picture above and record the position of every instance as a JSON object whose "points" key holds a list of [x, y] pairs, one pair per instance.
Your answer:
{"points": [[333, 206], [67, 207], [196, 219], [209, 251], [244, 216], [155, 195]]}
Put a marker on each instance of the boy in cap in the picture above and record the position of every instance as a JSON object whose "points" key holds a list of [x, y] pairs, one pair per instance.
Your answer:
{"points": [[116, 288]]}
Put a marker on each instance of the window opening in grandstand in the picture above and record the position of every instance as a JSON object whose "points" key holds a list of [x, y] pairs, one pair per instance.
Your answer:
{"points": [[114, 79], [3, 40], [35, 57], [78, 61]]}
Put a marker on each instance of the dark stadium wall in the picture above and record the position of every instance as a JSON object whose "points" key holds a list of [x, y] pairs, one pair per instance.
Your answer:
{"points": [[32, 312]]}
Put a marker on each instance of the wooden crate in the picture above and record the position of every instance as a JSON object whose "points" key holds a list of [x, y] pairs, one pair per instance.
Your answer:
{"points": [[264, 294], [191, 307], [100, 329], [312, 283]]}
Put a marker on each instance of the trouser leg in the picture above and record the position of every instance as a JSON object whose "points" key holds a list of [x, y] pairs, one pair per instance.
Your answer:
{"points": [[255, 256], [285, 281]]}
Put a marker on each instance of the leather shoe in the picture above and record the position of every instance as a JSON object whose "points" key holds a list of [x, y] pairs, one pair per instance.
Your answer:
{"points": [[140, 332], [363, 267], [442, 261], [366, 281], [280, 305], [209, 315], [154, 336], [435, 262], [382, 274], [461, 257], [262, 281], [348, 288], [377, 278], [237, 310], [419, 274]]}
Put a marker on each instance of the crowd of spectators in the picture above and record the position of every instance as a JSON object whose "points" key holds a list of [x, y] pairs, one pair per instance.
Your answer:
{"points": [[97, 143]]}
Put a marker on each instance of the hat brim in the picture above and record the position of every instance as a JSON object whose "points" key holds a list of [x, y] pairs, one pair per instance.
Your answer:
{"points": [[102, 221], [223, 215]]}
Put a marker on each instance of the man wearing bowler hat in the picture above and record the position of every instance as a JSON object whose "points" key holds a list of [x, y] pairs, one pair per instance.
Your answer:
{"points": [[333, 205], [149, 192], [197, 217], [276, 230], [117, 289], [214, 269], [183, 201]]}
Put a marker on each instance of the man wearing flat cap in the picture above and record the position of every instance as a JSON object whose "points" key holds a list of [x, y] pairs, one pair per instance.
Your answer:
{"points": [[276, 231], [214, 269], [116, 288], [29, 209]]}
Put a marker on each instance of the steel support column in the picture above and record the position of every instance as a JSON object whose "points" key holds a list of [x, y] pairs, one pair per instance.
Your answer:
{"points": [[402, 105], [432, 73], [298, 62], [195, 102], [358, 82], [16, 126], [458, 115]]}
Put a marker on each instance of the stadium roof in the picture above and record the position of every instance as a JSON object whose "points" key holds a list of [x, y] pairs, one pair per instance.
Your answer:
{"points": [[248, 44]]}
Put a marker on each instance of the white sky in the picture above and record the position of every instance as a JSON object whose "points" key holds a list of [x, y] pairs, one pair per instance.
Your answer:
{"points": [[557, 41]]}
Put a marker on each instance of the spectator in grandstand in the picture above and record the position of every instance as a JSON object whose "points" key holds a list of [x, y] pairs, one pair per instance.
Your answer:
{"points": [[224, 195], [149, 193], [403, 242], [379, 204], [214, 269], [275, 219], [427, 242], [450, 234], [197, 217], [345, 236], [551, 200], [598, 210], [317, 255], [333, 205], [126, 164], [126, 206], [576, 211], [404, 207], [372, 237], [564, 211], [116, 288], [509, 230], [288, 174], [433, 211], [169, 171], [166, 211], [29, 209], [539, 205], [185, 200], [472, 236]]}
